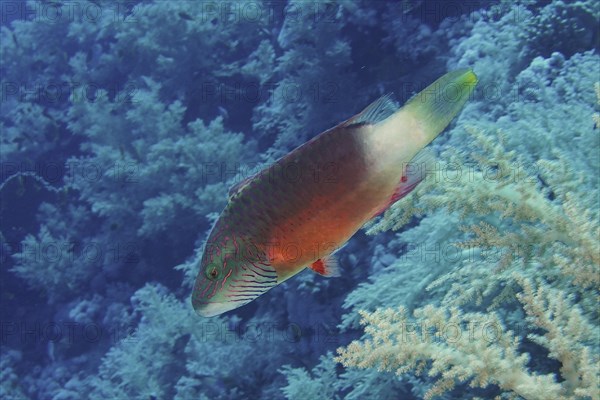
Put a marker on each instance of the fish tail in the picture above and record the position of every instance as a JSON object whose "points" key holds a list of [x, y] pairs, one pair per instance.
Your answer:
{"points": [[441, 101]]}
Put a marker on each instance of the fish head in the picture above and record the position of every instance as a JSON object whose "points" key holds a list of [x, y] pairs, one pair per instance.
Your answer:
{"points": [[233, 272]]}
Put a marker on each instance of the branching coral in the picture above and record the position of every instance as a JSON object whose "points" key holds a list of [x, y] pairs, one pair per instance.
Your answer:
{"points": [[460, 347], [301, 385], [557, 243], [532, 239], [171, 354], [565, 26], [149, 172], [311, 78], [55, 262], [9, 387], [146, 128], [475, 347], [555, 238], [568, 335], [129, 369]]}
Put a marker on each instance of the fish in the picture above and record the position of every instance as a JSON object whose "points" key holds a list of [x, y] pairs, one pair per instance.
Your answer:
{"points": [[297, 212]]}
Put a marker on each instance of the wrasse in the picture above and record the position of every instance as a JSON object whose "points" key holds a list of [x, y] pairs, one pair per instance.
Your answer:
{"points": [[297, 212]]}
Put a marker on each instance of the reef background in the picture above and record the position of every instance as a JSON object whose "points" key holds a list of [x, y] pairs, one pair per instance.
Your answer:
{"points": [[123, 124]]}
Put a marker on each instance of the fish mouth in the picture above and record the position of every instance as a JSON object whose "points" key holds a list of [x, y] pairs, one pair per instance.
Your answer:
{"points": [[212, 309]]}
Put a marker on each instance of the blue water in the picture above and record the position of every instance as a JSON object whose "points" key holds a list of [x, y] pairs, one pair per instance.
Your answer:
{"points": [[124, 124]]}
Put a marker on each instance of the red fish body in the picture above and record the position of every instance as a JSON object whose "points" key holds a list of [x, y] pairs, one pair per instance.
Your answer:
{"points": [[298, 211]]}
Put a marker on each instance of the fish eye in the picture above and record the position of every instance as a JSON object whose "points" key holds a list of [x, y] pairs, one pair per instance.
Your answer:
{"points": [[212, 272]]}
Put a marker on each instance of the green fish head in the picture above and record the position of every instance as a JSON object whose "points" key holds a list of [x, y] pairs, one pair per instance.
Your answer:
{"points": [[233, 272]]}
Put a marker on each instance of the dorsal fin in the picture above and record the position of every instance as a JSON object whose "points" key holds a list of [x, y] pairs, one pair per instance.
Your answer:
{"points": [[375, 112], [237, 188]]}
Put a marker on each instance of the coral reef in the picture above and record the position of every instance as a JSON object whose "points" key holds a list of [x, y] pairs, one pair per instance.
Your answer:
{"points": [[528, 248], [123, 125]]}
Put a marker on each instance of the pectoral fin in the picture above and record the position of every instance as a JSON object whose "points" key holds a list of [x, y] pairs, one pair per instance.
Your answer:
{"points": [[414, 173]]}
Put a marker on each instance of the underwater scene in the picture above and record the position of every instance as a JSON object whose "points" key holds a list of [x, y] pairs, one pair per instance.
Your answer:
{"points": [[307, 200]]}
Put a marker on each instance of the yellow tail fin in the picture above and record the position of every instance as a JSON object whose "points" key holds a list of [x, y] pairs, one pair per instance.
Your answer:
{"points": [[439, 102]]}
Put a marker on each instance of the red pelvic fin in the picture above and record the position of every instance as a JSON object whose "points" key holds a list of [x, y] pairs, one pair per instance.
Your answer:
{"points": [[326, 266]]}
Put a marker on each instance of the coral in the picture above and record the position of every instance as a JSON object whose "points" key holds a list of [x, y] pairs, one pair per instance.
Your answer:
{"points": [[596, 116], [323, 382], [174, 354], [554, 238], [354, 384], [10, 388], [561, 253], [496, 179], [413, 40], [54, 261], [151, 111], [403, 280], [34, 97], [524, 189], [143, 364], [310, 77], [568, 27], [568, 336], [301, 386], [563, 86], [476, 348], [154, 173], [530, 242], [86, 310], [452, 346], [494, 49]]}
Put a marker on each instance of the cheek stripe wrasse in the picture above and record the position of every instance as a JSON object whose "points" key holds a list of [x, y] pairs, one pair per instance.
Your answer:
{"points": [[298, 211]]}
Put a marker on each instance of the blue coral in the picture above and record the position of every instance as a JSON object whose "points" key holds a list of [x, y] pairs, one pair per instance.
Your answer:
{"points": [[122, 127]]}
